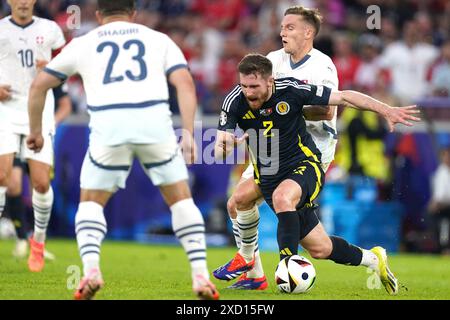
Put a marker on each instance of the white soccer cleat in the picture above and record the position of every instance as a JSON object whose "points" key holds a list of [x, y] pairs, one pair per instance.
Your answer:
{"points": [[48, 255], [21, 249]]}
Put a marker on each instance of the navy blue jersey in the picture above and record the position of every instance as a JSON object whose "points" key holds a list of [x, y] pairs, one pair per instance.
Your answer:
{"points": [[277, 129]]}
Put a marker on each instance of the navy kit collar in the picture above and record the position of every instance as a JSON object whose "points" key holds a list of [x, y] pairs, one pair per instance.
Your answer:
{"points": [[298, 64], [21, 26]]}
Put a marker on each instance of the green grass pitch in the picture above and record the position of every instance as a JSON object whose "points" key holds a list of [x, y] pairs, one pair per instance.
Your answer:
{"points": [[140, 271]]}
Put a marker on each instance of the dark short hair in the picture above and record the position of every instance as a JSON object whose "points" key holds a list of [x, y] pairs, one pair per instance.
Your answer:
{"points": [[311, 16], [255, 63], [113, 7]]}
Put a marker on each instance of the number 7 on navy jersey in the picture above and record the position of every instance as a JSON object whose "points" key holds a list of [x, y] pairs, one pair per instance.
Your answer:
{"points": [[108, 78]]}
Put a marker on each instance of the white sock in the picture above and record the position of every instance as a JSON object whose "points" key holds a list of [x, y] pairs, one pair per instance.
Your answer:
{"points": [[237, 236], [257, 271], [369, 259], [248, 222], [2, 199], [189, 227], [42, 207], [91, 228]]}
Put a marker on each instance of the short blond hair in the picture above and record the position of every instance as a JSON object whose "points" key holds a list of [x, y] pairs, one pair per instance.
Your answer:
{"points": [[310, 16]]}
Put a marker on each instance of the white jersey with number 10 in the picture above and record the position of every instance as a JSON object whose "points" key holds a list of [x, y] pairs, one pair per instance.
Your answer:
{"points": [[20, 47]]}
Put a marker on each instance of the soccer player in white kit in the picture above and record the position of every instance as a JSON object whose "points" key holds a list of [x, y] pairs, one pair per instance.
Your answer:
{"points": [[26, 44], [125, 68]]}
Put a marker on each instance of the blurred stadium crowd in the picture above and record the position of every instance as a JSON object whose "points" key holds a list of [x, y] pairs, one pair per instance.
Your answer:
{"points": [[402, 62], [409, 56]]}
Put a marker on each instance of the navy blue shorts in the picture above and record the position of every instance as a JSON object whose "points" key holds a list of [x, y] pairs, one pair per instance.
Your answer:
{"points": [[308, 220], [308, 175]]}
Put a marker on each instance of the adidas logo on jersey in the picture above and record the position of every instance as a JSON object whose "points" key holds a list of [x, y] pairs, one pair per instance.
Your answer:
{"points": [[249, 115]]}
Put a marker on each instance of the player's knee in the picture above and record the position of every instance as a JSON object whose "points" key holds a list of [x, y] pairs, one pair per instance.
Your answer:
{"points": [[281, 202], [14, 190], [243, 201], [4, 177], [231, 208], [318, 254], [176, 192], [41, 186], [321, 251]]}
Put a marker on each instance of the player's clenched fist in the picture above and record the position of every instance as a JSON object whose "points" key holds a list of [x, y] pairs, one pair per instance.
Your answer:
{"points": [[35, 142], [5, 92]]}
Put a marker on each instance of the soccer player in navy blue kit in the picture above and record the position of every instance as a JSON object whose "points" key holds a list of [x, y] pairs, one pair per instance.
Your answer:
{"points": [[287, 166]]}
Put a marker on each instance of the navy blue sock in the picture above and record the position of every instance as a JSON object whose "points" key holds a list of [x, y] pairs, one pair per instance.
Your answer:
{"points": [[344, 252], [288, 233], [18, 216]]}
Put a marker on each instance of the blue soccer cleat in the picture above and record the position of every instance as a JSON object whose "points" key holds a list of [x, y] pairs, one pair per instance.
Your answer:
{"points": [[234, 268], [245, 283]]}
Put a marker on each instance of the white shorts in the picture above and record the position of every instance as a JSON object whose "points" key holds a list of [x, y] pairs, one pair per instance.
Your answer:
{"points": [[16, 143], [248, 173], [107, 168]]}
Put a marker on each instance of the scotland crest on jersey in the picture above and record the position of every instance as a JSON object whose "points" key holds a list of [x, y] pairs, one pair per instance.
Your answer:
{"points": [[283, 108]]}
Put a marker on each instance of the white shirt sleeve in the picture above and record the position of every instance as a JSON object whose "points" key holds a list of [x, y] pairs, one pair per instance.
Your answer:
{"points": [[271, 56], [329, 77], [58, 37], [65, 64], [174, 57]]}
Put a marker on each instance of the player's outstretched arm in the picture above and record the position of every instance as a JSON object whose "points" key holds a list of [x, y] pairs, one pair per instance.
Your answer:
{"points": [[393, 115], [318, 113], [36, 101], [182, 80]]}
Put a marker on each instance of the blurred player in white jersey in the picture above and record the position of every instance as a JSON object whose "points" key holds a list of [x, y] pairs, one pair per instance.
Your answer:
{"points": [[300, 60], [26, 44], [125, 68], [15, 205]]}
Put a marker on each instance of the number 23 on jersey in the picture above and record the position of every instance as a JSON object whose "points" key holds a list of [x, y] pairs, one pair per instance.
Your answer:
{"points": [[115, 52]]}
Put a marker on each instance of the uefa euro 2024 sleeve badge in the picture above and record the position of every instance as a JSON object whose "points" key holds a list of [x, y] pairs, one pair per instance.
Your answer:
{"points": [[223, 118]]}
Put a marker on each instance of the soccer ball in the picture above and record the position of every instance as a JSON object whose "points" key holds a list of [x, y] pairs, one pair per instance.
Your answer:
{"points": [[7, 229], [295, 274]]}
